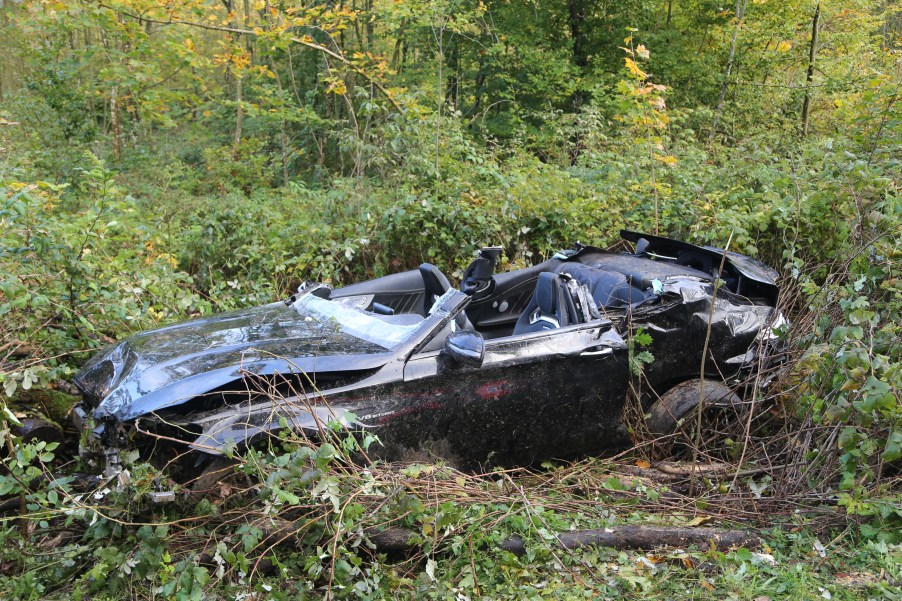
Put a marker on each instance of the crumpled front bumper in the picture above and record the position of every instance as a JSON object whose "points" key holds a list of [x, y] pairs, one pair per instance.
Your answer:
{"points": [[99, 444]]}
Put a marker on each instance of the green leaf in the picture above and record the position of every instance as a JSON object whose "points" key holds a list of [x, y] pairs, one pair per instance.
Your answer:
{"points": [[893, 449]]}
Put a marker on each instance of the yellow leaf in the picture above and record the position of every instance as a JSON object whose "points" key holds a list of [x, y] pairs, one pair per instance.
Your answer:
{"points": [[668, 160], [642, 51], [634, 68], [849, 385], [699, 520], [707, 585], [783, 46], [338, 87]]}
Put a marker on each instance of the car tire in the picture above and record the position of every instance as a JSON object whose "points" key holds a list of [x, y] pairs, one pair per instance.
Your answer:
{"points": [[678, 402], [215, 471]]}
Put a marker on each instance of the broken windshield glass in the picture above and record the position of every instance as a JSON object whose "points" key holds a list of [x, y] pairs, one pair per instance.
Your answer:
{"points": [[357, 323]]}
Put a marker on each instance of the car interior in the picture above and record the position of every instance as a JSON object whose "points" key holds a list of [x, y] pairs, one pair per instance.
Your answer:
{"points": [[572, 287]]}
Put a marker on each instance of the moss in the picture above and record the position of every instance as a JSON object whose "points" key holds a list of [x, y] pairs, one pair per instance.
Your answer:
{"points": [[49, 402]]}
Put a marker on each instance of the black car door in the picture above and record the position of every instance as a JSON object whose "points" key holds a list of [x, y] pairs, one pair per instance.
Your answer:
{"points": [[546, 394]]}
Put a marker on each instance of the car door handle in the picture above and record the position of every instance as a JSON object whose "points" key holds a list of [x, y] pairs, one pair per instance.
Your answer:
{"points": [[597, 352]]}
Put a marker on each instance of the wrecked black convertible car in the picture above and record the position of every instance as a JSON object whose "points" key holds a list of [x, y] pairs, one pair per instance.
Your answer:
{"points": [[512, 368]]}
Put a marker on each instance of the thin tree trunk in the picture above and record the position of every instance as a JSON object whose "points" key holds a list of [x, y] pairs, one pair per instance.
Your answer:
{"points": [[740, 9], [440, 92], [239, 111], [669, 12], [479, 81], [3, 23], [114, 121], [452, 90], [283, 136], [357, 33], [249, 40], [283, 143], [396, 54], [806, 105], [370, 31]]}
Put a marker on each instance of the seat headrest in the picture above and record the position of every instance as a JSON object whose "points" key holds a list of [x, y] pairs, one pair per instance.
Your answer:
{"points": [[435, 281], [547, 292]]}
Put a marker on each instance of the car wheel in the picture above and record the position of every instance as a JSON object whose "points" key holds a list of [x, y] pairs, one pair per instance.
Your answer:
{"points": [[674, 418], [217, 470], [676, 403]]}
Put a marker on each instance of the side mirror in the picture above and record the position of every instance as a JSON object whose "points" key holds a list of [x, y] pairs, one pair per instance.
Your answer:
{"points": [[466, 347]]}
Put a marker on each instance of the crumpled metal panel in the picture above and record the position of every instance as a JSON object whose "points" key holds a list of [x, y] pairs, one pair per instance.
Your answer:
{"points": [[162, 368], [249, 422]]}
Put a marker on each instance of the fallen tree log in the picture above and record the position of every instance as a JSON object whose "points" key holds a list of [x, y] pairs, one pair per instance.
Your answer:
{"points": [[649, 537], [615, 537], [393, 540]]}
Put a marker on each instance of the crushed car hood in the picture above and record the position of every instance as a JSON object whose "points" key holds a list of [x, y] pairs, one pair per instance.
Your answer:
{"points": [[170, 365]]}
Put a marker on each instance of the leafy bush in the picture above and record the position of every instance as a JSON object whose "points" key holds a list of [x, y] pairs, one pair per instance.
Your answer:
{"points": [[68, 259]]}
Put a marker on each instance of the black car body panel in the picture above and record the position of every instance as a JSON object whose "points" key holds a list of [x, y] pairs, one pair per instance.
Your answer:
{"points": [[545, 371]]}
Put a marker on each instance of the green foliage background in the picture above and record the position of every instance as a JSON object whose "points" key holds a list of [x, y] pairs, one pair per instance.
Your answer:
{"points": [[162, 161]]}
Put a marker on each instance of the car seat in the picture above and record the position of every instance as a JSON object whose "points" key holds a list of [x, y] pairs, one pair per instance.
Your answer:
{"points": [[436, 284], [551, 306]]}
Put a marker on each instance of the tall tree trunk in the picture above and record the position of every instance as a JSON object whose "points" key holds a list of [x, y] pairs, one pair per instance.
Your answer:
{"points": [[396, 55], [357, 34], [575, 17], [114, 121], [439, 34], [441, 98], [283, 148], [452, 93], [718, 112], [283, 135], [249, 40], [3, 23], [370, 31], [806, 105], [239, 111], [230, 73], [669, 12]]}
